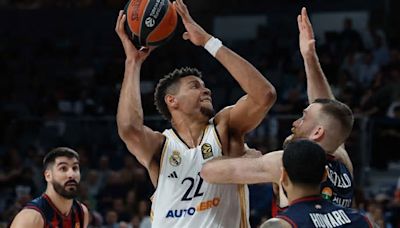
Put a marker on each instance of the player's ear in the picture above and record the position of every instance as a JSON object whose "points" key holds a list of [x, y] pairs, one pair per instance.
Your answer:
{"points": [[318, 133], [47, 174], [171, 101]]}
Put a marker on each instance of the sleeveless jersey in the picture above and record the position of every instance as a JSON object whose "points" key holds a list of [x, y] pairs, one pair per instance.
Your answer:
{"points": [[314, 211], [275, 208], [182, 199], [338, 187], [53, 217]]}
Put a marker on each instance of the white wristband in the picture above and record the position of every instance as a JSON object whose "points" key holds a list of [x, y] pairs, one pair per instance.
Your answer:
{"points": [[213, 45]]}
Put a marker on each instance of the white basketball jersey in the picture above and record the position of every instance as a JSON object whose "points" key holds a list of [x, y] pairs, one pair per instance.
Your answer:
{"points": [[182, 199]]}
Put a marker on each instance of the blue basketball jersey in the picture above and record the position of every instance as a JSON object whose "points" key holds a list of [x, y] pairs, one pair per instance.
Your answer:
{"points": [[315, 211], [339, 186], [53, 217]]}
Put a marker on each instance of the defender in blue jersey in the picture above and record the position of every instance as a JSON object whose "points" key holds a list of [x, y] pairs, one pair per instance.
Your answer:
{"points": [[338, 187], [325, 121], [57, 206], [302, 185]]}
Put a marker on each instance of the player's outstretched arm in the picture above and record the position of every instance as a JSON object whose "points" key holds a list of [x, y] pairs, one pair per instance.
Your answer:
{"points": [[317, 84], [140, 140], [28, 218], [249, 111], [243, 170]]}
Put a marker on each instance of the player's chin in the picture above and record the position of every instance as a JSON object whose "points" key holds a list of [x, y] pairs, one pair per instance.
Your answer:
{"points": [[207, 111], [71, 188]]}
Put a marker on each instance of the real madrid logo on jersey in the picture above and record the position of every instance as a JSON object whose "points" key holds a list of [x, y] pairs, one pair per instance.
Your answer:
{"points": [[206, 151], [175, 159]]}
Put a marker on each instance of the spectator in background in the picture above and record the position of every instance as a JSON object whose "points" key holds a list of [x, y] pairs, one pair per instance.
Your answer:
{"points": [[350, 38], [367, 70], [380, 52], [111, 219]]}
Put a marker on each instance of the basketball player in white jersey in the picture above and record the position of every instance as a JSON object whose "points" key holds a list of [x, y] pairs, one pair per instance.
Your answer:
{"points": [[174, 158], [325, 121]]}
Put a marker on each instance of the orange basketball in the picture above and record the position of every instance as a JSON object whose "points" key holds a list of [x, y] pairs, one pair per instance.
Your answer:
{"points": [[150, 22]]}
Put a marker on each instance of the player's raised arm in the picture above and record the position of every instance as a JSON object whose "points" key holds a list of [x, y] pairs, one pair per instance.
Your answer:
{"points": [[248, 112], [317, 84], [140, 140]]}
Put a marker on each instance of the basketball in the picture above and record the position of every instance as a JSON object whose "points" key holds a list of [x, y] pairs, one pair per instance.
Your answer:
{"points": [[150, 22]]}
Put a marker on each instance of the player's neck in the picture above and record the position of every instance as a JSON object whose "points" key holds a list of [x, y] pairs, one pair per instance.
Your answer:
{"points": [[62, 204], [302, 192], [191, 131]]}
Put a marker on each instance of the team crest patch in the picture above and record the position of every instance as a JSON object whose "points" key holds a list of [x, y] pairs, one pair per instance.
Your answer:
{"points": [[175, 159], [206, 151], [327, 193]]}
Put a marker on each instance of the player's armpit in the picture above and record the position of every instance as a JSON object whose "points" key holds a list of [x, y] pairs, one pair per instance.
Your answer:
{"points": [[144, 145]]}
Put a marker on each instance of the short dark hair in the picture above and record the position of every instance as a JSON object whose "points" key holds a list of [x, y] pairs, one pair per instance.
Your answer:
{"points": [[304, 161], [166, 82], [58, 152], [340, 112]]}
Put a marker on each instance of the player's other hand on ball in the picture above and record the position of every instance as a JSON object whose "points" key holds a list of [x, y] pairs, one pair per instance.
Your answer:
{"points": [[194, 32]]}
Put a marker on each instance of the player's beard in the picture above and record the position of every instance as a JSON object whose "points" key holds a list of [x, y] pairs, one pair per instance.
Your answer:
{"points": [[62, 189], [209, 112]]}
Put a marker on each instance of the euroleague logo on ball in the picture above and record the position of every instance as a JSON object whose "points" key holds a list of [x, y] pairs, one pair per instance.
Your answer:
{"points": [[149, 22]]}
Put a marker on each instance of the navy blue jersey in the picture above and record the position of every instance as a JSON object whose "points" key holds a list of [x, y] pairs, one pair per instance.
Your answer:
{"points": [[315, 211], [53, 217], [339, 186]]}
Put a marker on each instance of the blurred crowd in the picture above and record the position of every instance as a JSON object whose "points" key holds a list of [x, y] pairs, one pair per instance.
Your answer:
{"points": [[49, 78]]}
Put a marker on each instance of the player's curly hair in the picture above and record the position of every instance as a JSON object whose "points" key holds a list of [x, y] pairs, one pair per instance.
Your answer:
{"points": [[169, 84]]}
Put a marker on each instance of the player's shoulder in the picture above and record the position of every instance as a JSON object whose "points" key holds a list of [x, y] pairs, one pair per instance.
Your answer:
{"points": [[222, 115], [84, 207], [275, 223], [28, 217], [85, 210]]}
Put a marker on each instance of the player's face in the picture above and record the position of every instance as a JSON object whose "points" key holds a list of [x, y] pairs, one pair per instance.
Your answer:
{"points": [[66, 177], [193, 96], [305, 125]]}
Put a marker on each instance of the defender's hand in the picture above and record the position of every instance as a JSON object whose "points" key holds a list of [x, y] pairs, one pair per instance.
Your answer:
{"points": [[252, 153], [306, 34]]}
